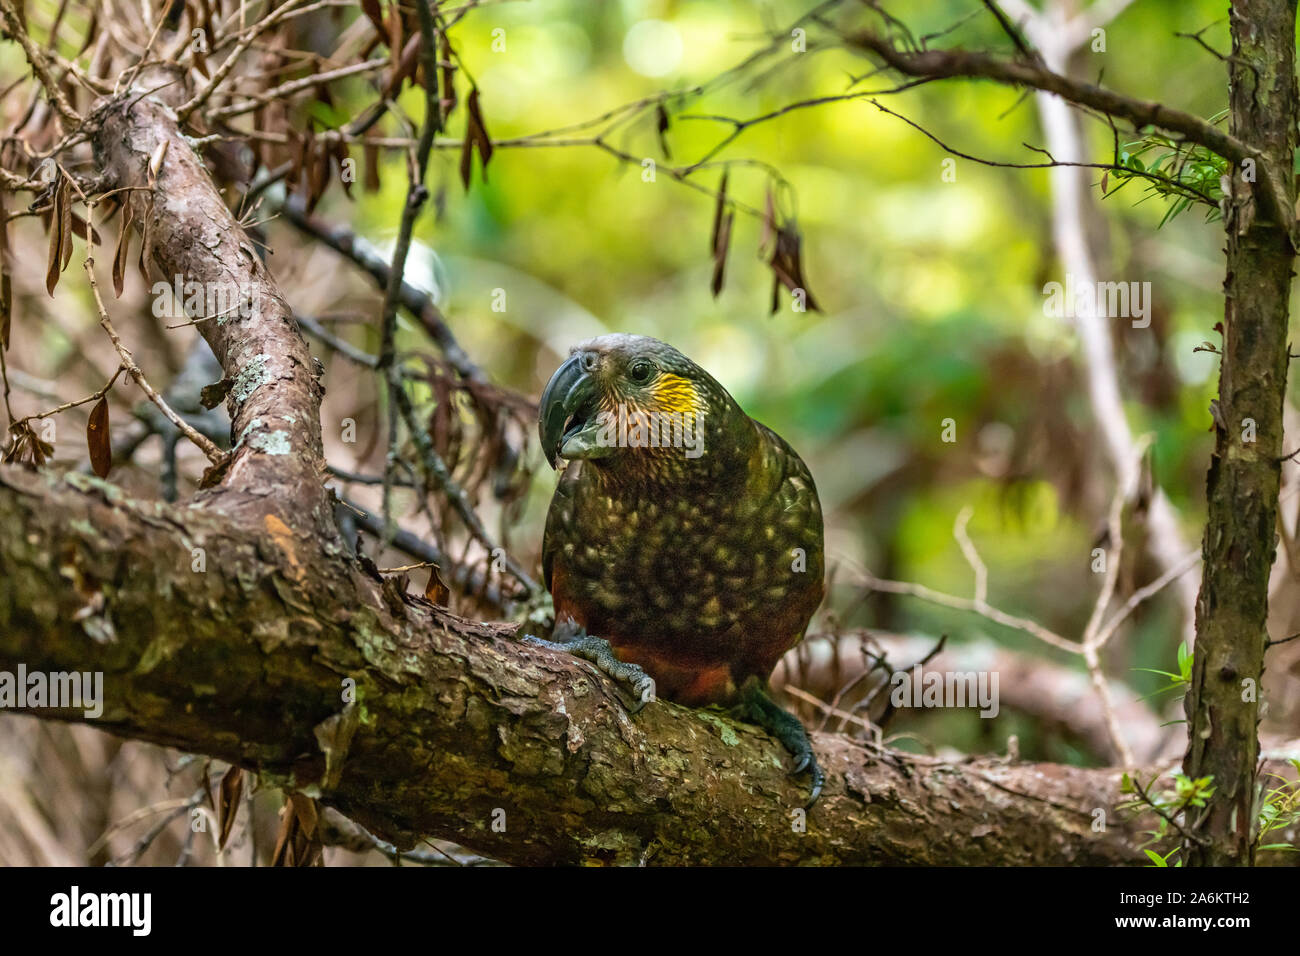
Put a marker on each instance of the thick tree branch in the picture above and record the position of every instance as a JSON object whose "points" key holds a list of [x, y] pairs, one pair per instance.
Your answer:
{"points": [[246, 660], [188, 232]]}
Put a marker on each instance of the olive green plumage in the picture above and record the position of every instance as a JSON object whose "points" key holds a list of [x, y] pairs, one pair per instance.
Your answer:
{"points": [[682, 532]]}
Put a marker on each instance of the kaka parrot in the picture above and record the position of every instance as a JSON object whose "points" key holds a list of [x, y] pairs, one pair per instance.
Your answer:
{"points": [[683, 546]]}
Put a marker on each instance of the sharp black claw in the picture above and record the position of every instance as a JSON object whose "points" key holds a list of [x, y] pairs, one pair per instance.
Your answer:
{"points": [[758, 706], [807, 762], [639, 687], [818, 778]]}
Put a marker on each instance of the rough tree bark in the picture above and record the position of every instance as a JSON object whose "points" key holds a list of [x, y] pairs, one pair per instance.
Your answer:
{"points": [[188, 232], [1242, 485]]}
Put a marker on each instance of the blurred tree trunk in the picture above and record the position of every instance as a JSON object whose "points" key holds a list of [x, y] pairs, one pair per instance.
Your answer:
{"points": [[1242, 485], [1059, 41]]}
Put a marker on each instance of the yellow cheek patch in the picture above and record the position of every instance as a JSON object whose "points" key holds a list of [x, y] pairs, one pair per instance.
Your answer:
{"points": [[675, 394]]}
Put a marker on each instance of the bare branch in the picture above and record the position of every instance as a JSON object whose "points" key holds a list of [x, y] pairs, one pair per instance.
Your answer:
{"points": [[40, 65]]}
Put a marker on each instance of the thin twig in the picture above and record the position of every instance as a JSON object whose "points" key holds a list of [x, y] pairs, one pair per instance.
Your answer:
{"points": [[94, 396], [982, 608], [296, 86]]}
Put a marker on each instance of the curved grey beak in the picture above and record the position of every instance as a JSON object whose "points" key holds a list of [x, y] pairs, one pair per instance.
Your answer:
{"points": [[568, 395]]}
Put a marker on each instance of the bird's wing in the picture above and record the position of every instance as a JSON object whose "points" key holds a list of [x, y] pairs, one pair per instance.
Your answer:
{"points": [[561, 502]]}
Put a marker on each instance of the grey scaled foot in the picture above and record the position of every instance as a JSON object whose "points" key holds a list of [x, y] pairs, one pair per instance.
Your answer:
{"points": [[572, 638]]}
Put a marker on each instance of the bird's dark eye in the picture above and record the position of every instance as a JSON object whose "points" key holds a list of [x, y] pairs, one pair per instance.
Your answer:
{"points": [[641, 371]]}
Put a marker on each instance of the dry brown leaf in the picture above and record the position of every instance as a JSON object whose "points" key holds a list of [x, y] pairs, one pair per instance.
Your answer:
{"points": [[6, 308], [371, 9], [65, 226], [721, 239], [146, 248], [484, 141], [298, 842], [119, 257], [723, 244], [448, 101], [232, 788], [436, 591], [56, 242], [787, 266], [476, 137], [395, 28], [284, 837], [97, 438], [18, 439]]}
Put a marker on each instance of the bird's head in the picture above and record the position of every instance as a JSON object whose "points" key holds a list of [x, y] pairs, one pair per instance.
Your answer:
{"points": [[633, 402]]}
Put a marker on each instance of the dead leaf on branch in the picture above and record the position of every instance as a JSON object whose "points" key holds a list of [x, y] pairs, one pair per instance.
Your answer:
{"points": [[97, 439], [60, 223], [721, 241], [232, 788], [476, 138], [298, 842], [436, 591], [119, 256]]}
